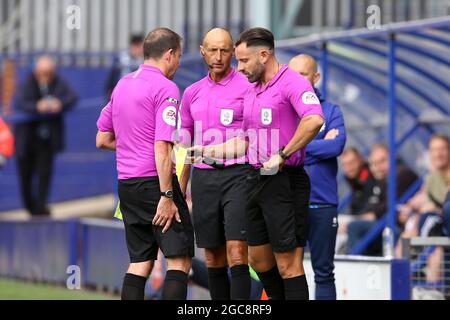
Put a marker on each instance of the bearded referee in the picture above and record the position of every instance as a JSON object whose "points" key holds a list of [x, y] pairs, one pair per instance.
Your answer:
{"points": [[282, 114]]}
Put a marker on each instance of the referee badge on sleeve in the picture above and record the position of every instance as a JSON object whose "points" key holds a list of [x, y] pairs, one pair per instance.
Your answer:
{"points": [[170, 116], [266, 116], [226, 117], [310, 98]]}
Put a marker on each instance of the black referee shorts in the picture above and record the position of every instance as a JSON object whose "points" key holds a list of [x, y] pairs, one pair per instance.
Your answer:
{"points": [[139, 200], [277, 209], [218, 205]]}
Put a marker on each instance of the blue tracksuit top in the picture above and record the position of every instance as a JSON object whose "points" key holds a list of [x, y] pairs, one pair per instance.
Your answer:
{"points": [[321, 156]]}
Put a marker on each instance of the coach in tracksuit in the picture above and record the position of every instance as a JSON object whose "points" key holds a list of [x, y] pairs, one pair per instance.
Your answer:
{"points": [[321, 165]]}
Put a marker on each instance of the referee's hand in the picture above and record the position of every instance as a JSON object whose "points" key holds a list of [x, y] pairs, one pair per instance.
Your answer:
{"points": [[167, 210], [274, 165], [195, 154]]}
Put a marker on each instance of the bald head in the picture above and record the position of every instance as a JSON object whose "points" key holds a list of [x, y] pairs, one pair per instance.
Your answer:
{"points": [[217, 50], [218, 36], [306, 66], [45, 70]]}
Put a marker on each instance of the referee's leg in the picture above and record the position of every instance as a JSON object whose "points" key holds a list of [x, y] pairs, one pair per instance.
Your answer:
{"points": [[277, 233], [219, 283], [175, 283], [262, 260], [234, 255], [177, 244], [237, 256], [133, 287], [290, 266], [282, 274], [233, 186]]}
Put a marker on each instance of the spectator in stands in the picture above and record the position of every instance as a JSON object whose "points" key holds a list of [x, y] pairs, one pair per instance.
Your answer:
{"points": [[436, 184], [358, 176], [127, 62], [44, 96], [422, 214], [377, 206]]}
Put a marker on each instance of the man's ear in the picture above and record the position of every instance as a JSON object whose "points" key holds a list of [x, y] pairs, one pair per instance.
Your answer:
{"points": [[317, 77], [264, 56], [202, 51], [169, 55]]}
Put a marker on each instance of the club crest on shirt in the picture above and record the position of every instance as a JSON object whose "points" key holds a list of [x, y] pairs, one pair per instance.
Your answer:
{"points": [[266, 116], [170, 116], [310, 98], [226, 117]]}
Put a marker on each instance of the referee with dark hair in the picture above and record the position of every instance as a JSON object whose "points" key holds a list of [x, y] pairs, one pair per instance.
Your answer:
{"points": [[215, 105], [139, 123], [282, 114]]}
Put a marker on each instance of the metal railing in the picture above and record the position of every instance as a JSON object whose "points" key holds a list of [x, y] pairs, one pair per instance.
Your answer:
{"points": [[429, 267]]}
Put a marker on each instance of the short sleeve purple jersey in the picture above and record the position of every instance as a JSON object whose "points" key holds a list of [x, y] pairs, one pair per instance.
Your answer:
{"points": [[212, 113], [143, 110], [272, 114]]}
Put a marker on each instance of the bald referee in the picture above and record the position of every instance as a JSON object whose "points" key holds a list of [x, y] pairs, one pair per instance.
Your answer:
{"points": [[282, 114], [139, 124], [211, 112]]}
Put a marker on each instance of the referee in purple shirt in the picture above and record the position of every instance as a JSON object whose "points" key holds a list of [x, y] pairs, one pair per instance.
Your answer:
{"points": [[139, 123], [211, 111]]}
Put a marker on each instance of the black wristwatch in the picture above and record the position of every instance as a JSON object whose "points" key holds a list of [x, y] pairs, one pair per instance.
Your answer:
{"points": [[283, 155], [167, 194]]}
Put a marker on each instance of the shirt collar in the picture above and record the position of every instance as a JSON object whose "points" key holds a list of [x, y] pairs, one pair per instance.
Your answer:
{"points": [[151, 68], [260, 88], [224, 81]]}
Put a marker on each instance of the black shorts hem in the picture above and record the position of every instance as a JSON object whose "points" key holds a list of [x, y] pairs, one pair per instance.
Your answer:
{"points": [[142, 260], [278, 249], [189, 254], [286, 248]]}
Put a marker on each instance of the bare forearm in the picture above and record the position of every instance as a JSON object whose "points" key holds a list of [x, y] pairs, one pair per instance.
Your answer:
{"points": [[307, 130], [111, 146], [232, 149], [164, 164], [106, 141]]}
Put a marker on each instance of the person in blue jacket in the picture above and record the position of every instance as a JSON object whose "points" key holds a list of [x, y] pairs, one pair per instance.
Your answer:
{"points": [[322, 167]]}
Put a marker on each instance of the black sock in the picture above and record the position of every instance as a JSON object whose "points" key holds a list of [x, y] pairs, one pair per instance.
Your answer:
{"points": [[296, 288], [219, 283], [175, 285], [273, 284], [240, 282], [133, 287]]}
